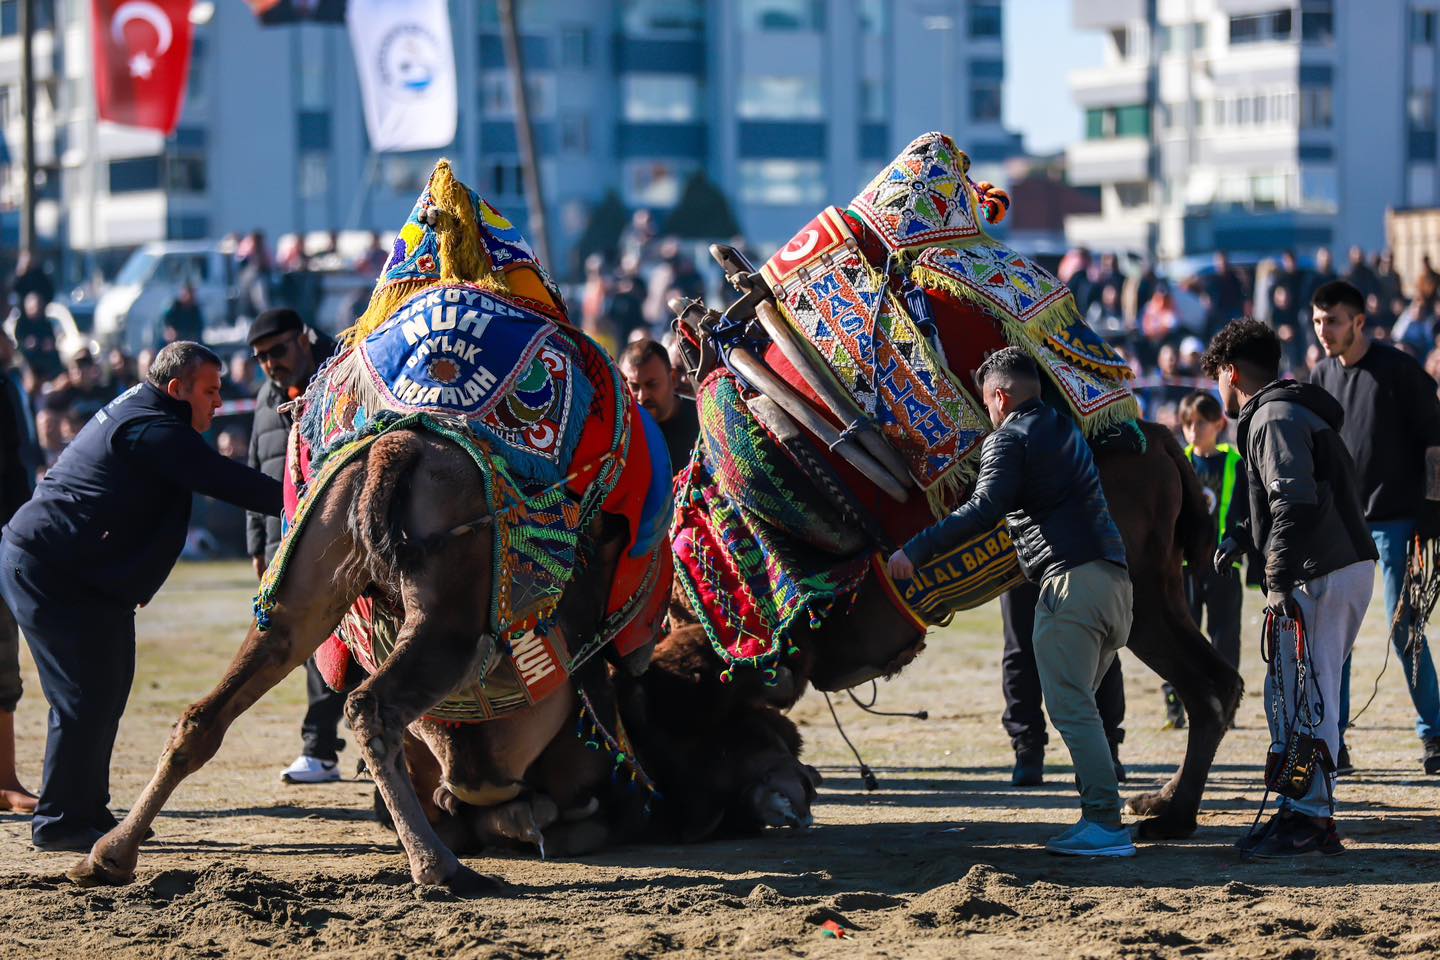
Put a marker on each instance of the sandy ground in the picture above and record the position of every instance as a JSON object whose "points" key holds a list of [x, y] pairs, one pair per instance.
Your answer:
{"points": [[943, 860]]}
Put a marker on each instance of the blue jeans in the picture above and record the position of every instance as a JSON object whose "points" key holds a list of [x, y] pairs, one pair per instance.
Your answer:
{"points": [[1392, 540]]}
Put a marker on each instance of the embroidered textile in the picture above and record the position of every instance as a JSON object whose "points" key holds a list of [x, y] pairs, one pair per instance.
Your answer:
{"points": [[973, 573], [922, 198], [1007, 285], [879, 357]]}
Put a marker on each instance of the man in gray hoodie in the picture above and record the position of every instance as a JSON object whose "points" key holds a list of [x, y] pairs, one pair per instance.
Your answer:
{"points": [[1306, 520]]}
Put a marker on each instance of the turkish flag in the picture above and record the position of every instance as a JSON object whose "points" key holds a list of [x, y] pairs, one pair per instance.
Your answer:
{"points": [[142, 60]]}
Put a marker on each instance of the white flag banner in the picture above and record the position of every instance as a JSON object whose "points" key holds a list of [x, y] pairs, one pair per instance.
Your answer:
{"points": [[406, 60]]}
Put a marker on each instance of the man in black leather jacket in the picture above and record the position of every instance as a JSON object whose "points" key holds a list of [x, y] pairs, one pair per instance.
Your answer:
{"points": [[1037, 472]]}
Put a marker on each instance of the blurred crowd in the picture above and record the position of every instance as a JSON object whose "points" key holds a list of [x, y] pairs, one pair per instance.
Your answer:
{"points": [[1162, 323]]}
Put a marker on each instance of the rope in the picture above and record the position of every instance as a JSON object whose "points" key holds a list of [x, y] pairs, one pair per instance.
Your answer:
{"points": [[875, 695], [866, 774]]}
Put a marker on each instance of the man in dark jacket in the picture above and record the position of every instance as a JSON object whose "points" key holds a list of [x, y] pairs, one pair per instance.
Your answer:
{"points": [[1392, 417], [1037, 473], [290, 354], [97, 540], [655, 382], [1307, 523]]}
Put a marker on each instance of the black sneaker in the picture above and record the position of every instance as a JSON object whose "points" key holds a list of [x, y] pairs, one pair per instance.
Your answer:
{"points": [[1029, 768], [1432, 755], [69, 843], [1343, 766], [1299, 836], [1253, 839], [1174, 712]]}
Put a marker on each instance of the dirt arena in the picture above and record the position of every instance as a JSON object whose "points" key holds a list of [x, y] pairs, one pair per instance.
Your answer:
{"points": [[942, 861]]}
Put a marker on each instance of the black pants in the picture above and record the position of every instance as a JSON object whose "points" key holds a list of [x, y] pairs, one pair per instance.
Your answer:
{"points": [[319, 733], [1218, 596], [84, 650], [1024, 716]]}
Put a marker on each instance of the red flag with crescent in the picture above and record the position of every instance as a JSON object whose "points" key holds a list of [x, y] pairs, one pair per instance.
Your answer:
{"points": [[142, 60]]}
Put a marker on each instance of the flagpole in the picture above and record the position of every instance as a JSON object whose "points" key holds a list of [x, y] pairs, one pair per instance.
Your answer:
{"points": [[529, 164], [27, 107]]}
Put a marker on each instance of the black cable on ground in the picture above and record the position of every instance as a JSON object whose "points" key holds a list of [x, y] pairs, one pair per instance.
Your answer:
{"points": [[866, 774]]}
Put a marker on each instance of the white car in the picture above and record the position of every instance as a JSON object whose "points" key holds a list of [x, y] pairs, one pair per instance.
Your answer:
{"points": [[130, 313]]}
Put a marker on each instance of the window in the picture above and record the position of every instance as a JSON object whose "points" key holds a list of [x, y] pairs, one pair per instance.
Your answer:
{"points": [[985, 102], [671, 18], [1319, 189], [660, 98], [1169, 39], [1096, 127], [782, 182], [873, 17], [313, 129], [134, 175], [507, 179], [1120, 40], [1422, 27], [1131, 195], [779, 98], [405, 173], [575, 133], [1317, 22], [195, 87], [1420, 108], [986, 19], [872, 99], [1260, 27], [1197, 37], [9, 18], [498, 99], [1316, 108], [185, 173], [314, 93], [5, 107], [575, 48], [1132, 121], [314, 175], [653, 183], [765, 16]]}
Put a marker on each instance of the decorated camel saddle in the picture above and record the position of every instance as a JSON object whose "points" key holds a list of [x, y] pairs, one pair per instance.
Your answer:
{"points": [[838, 410], [466, 337]]}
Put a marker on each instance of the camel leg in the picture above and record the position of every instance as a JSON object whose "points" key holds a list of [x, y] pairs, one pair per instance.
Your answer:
{"points": [[431, 659], [308, 606], [1168, 641]]}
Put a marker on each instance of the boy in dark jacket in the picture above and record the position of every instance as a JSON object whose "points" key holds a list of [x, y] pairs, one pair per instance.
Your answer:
{"points": [[1307, 523]]}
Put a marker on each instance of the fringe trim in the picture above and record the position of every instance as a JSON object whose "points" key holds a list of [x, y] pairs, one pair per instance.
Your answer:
{"points": [[945, 494], [1051, 319]]}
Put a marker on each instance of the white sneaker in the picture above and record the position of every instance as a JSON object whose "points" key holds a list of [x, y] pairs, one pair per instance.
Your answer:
{"points": [[310, 770]]}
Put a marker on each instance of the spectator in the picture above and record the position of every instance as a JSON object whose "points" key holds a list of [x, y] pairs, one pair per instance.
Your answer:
{"points": [[1075, 272], [1392, 422], [82, 391], [1389, 290], [1108, 277], [122, 374], [1360, 276], [30, 277], [1106, 317], [289, 353], [35, 335], [183, 320], [637, 238], [1191, 350], [32, 458], [253, 280], [1226, 290], [1323, 273], [1285, 296], [626, 310], [647, 369]]}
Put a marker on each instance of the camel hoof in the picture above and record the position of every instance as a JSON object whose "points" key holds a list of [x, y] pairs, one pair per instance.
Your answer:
{"points": [[466, 883], [92, 872], [1149, 804], [776, 810], [1165, 828]]}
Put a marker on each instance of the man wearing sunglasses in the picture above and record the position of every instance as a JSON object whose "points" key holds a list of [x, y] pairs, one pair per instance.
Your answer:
{"points": [[289, 354]]}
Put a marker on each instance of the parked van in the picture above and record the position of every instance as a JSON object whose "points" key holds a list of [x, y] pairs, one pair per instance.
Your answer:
{"points": [[130, 313]]}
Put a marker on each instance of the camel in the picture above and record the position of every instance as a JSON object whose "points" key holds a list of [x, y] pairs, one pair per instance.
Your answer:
{"points": [[1154, 495], [408, 513]]}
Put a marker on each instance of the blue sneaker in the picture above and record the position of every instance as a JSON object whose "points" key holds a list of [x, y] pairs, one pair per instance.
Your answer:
{"points": [[1089, 839]]}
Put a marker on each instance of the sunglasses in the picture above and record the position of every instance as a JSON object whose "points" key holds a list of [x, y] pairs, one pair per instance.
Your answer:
{"points": [[275, 352]]}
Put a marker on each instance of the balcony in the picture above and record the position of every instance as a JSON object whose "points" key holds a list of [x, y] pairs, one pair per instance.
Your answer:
{"points": [[1091, 163], [1104, 14], [1108, 86]]}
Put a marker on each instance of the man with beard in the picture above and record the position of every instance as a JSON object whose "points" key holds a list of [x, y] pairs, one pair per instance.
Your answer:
{"points": [[654, 381], [1392, 417], [1307, 523], [289, 354]]}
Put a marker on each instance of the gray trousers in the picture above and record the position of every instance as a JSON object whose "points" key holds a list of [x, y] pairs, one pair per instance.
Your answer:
{"points": [[1333, 607], [9, 661]]}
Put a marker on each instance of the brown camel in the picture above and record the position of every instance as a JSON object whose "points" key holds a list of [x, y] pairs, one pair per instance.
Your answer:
{"points": [[521, 778], [1159, 505]]}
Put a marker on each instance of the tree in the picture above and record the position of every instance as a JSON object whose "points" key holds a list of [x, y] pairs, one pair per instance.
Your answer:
{"points": [[703, 212], [602, 232]]}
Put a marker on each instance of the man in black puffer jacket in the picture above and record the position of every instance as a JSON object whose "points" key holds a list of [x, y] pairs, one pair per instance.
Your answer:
{"points": [[1307, 521], [290, 354], [1037, 473]]}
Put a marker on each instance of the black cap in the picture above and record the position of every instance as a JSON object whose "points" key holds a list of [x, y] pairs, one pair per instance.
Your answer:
{"points": [[271, 322]]}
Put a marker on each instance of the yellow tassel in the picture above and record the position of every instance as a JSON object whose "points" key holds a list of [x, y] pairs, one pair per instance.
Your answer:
{"points": [[1054, 317], [462, 252]]}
